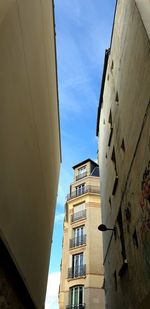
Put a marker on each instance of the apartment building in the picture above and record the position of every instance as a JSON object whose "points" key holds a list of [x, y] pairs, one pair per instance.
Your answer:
{"points": [[29, 150], [123, 130], [81, 284]]}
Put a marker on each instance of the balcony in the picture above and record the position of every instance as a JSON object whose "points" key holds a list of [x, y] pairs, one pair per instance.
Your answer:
{"points": [[76, 272], [76, 306], [80, 176], [80, 215], [77, 241], [83, 190]]}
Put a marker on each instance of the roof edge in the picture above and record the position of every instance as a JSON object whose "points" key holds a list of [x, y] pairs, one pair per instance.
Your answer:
{"points": [[107, 51], [83, 162]]}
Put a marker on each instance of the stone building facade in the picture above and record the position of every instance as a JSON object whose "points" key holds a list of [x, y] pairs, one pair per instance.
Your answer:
{"points": [[123, 130], [81, 284]]}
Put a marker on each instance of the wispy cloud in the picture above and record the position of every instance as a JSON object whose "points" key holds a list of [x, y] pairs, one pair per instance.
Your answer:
{"points": [[83, 30], [51, 301], [74, 82]]}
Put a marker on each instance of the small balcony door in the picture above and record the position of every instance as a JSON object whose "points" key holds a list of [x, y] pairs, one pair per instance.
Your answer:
{"points": [[80, 189], [82, 170], [77, 265], [78, 235], [78, 211], [77, 297]]}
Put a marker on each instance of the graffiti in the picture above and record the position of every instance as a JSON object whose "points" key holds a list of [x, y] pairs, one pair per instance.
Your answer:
{"points": [[145, 217], [145, 200], [128, 216], [146, 185], [128, 212]]}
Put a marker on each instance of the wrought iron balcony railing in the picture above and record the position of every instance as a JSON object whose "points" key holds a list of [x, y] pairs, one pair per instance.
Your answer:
{"points": [[81, 306], [78, 271], [83, 190], [80, 215], [77, 241], [80, 176]]}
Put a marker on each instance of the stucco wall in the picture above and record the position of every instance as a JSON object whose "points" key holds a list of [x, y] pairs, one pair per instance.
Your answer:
{"points": [[29, 138], [94, 298], [126, 95]]}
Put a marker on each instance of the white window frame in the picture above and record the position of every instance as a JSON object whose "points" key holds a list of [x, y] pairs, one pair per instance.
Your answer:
{"points": [[73, 290], [82, 170], [78, 234], [79, 207], [80, 189]]}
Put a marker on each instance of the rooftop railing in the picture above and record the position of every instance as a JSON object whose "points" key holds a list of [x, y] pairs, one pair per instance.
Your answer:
{"points": [[83, 190], [80, 176]]}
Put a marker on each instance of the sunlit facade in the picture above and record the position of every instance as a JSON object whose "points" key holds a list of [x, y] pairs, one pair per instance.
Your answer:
{"points": [[81, 284]]}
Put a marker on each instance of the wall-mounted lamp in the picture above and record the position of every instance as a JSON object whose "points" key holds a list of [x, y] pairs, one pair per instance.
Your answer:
{"points": [[103, 228]]}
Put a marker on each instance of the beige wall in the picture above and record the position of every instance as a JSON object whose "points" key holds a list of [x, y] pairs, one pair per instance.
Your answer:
{"points": [[29, 137], [89, 181], [130, 78], [144, 10], [94, 298]]}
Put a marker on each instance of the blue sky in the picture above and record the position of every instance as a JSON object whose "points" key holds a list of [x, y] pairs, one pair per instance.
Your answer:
{"points": [[83, 31]]}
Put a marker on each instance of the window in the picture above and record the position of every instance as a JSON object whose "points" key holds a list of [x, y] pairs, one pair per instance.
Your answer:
{"points": [[115, 280], [117, 97], [123, 145], [111, 128], [82, 170], [112, 66], [113, 158], [110, 118], [77, 265], [79, 212], [77, 296], [77, 269], [121, 232], [135, 239], [110, 201], [79, 207], [122, 241], [80, 189], [78, 234]]}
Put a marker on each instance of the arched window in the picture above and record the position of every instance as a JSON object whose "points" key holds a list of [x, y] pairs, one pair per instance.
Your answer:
{"points": [[77, 297]]}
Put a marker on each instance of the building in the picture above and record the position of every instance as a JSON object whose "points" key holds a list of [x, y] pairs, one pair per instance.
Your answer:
{"points": [[30, 150], [123, 130], [81, 270]]}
